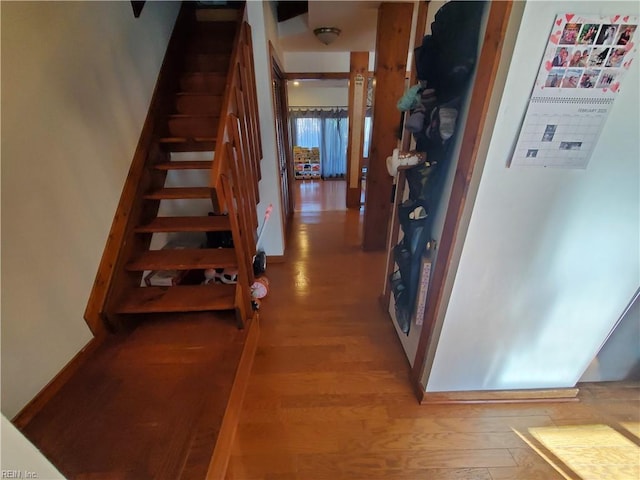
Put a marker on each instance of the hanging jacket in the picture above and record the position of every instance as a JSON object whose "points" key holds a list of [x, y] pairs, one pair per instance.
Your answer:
{"points": [[446, 59]]}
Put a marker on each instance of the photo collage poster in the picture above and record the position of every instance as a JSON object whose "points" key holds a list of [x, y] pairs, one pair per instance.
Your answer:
{"points": [[580, 75], [587, 53]]}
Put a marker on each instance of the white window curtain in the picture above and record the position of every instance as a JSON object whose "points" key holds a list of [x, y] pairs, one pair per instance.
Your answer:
{"points": [[329, 131]]}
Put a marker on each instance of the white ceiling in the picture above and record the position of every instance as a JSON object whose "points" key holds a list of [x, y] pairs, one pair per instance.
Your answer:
{"points": [[357, 20]]}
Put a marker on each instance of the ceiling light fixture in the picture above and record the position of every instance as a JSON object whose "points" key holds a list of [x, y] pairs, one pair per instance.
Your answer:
{"points": [[327, 34]]}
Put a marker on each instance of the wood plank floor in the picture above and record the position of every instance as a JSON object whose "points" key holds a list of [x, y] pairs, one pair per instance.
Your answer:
{"points": [[329, 395], [144, 406]]}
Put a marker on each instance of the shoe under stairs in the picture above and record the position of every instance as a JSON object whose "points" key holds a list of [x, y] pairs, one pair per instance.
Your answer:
{"points": [[183, 179]]}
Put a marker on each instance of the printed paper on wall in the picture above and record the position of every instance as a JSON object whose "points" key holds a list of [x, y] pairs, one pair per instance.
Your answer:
{"points": [[580, 75]]}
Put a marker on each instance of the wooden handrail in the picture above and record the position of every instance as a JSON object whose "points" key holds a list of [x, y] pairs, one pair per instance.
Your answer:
{"points": [[222, 135], [234, 176]]}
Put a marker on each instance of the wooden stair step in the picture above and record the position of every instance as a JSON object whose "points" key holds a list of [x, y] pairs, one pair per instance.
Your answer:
{"points": [[184, 165], [210, 46], [211, 223], [207, 62], [188, 144], [215, 37], [184, 259], [178, 193], [178, 298], [192, 126], [198, 103], [213, 83]]}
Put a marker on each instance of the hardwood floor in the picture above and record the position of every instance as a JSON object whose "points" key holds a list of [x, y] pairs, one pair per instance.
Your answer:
{"points": [[319, 195], [329, 395], [147, 405]]}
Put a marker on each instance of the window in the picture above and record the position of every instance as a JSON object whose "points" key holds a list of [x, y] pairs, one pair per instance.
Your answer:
{"points": [[328, 130]]}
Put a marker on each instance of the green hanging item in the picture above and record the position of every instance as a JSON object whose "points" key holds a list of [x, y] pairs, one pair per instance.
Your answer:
{"points": [[410, 99]]}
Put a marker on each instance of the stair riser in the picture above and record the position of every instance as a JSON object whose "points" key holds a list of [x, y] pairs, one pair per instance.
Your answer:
{"points": [[198, 104], [192, 127], [207, 44], [178, 299], [203, 83], [199, 259], [207, 63], [189, 146]]}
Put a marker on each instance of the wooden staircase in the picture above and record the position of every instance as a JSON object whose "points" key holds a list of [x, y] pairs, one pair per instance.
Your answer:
{"points": [[202, 124]]}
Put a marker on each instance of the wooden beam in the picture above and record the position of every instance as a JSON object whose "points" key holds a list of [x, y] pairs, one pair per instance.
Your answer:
{"points": [[480, 99], [358, 81], [392, 46]]}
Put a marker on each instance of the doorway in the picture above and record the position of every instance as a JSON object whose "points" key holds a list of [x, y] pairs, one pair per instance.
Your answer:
{"points": [[319, 121], [283, 143]]}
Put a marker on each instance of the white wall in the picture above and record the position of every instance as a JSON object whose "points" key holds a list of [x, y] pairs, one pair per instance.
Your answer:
{"points": [[619, 357], [77, 78], [322, 61], [303, 96], [264, 29], [551, 256], [20, 456], [317, 61]]}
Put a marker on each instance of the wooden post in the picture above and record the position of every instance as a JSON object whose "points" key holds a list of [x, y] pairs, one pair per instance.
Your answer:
{"points": [[358, 79], [392, 46]]}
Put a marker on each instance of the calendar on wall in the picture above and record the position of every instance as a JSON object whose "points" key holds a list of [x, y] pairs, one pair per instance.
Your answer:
{"points": [[581, 73]]}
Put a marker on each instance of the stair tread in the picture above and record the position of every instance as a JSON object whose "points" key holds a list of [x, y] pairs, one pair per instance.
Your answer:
{"points": [[184, 165], [186, 139], [206, 62], [203, 75], [193, 115], [179, 298], [184, 144], [184, 259], [175, 193], [213, 223], [219, 55], [209, 82], [198, 94]]}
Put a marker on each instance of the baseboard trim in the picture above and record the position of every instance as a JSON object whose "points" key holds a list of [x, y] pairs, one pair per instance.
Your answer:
{"points": [[222, 450], [31, 409], [502, 396], [275, 259]]}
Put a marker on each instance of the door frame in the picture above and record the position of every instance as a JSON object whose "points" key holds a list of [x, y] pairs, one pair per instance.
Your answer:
{"points": [[283, 140]]}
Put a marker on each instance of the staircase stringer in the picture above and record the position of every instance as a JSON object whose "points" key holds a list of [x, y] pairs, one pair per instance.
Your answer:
{"points": [[130, 206]]}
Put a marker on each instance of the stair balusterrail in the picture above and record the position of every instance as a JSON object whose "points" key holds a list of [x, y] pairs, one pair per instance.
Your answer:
{"points": [[233, 186]]}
